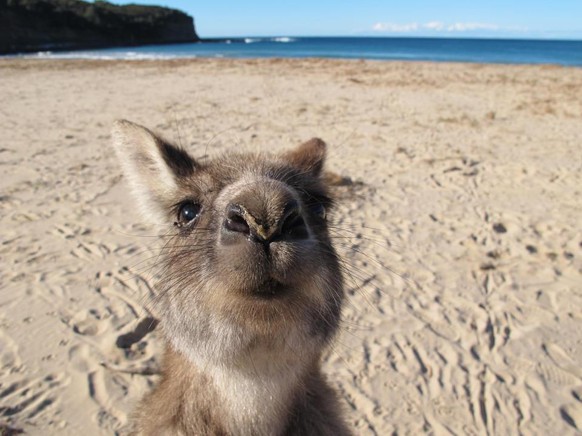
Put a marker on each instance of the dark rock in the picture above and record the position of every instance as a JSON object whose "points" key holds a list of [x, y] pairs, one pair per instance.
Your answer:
{"points": [[33, 25]]}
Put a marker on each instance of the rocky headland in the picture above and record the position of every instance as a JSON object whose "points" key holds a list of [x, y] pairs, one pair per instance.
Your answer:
{"points": [[34, 25]]}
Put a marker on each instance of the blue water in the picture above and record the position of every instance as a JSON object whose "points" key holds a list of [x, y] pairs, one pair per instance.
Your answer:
{"points": [[416, 49]]}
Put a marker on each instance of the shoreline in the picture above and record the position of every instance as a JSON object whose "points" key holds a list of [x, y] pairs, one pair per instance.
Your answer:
{"points": [[445, 50], [17, 62], [16, 58]]}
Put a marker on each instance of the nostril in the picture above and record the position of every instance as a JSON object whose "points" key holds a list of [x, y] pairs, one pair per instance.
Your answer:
{"points": [[291, 221], [235, 221], [293, 225]]}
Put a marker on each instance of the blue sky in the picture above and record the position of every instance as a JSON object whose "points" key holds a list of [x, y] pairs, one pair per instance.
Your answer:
{"points": [[460, 18]]}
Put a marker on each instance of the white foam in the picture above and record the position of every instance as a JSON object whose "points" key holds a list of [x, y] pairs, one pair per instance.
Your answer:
{"points": [[121, 55], [283, 39]]}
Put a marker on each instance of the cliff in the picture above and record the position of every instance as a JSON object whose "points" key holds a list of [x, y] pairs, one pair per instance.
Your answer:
{"points": [[33, 25]]}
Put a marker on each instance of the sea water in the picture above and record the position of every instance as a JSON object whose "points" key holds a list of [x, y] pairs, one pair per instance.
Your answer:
{"points": [[509, 51]]}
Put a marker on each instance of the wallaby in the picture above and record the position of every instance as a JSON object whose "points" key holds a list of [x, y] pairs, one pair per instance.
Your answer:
{"points": [[251, 290]]}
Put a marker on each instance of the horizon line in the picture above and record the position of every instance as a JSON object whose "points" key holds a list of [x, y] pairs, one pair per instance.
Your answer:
{"points": [[408, 36]]}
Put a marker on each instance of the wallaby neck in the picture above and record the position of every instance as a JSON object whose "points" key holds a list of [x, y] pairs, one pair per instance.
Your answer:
{"points": [[255, 396]]}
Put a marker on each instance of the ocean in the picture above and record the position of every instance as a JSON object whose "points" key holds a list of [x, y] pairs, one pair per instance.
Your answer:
{"points": [[503, 51]]}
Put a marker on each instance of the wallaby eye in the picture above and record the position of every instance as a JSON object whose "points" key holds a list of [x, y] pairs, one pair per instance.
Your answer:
{"points": [[188, 212], [318, 210]]}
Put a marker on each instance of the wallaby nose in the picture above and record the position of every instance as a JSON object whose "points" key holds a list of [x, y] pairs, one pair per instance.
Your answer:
{"points": [[235, 219], [266, 226]]}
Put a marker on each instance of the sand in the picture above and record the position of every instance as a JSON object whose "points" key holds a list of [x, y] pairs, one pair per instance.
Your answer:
{"points": [[461, 232]]}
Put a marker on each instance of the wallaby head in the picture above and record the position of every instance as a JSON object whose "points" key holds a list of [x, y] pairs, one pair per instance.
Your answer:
{"points": [[249, 275]]}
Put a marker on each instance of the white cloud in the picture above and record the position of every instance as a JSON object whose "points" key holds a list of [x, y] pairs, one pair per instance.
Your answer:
{"points": [[433, 26], [389, 27], [464, 27]]}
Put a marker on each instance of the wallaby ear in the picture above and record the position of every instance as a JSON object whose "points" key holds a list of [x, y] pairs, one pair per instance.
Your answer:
{"points": [[309, 156], [152, 167]]}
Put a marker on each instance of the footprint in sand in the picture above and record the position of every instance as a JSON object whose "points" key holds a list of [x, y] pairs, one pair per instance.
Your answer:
{"points": [[562, 359], [555, 375], [9, 357], [106, 390], [30, 398], [88, 322], [82, 358], [572, 414]]}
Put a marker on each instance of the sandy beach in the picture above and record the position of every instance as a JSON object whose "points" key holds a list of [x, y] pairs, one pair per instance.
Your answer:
{"points": [[460, 230]]}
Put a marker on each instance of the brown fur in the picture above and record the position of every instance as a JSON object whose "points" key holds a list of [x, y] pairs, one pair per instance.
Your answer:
{"points": [[252, 289]]}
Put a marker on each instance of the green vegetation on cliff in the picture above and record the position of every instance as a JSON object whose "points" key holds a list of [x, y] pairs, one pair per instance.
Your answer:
{"points": [[32, 25]]}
